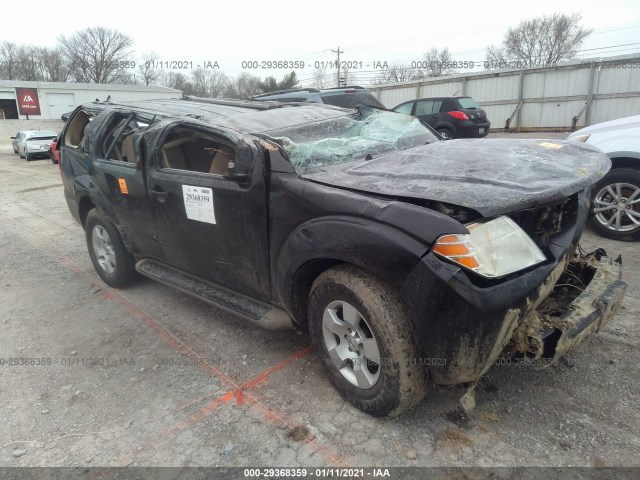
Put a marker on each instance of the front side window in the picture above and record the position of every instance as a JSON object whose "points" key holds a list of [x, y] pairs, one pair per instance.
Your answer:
{"points": [[194, 151]]}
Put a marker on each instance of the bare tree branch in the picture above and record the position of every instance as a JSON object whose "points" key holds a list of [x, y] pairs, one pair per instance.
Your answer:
{"points": [[97, 54], [542, 41]]}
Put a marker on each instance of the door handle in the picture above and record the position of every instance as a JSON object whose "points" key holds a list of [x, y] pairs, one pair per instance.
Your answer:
{"points": [[160, 195]]}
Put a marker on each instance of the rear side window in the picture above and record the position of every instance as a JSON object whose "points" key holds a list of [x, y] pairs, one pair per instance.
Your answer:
{"points": [[469, 103], [352, 100], [74, 134], [404, 108], [425, 107]]}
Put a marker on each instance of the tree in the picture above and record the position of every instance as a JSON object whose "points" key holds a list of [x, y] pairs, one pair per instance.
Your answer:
{"points": [[244, 85], [436, 63], [209, 83], [26, 63], [53, 65], [8, 60], [176, 80], [543, 41], [320, 77], [97, 54], [396, 73], [147, 72], [270, 84]]}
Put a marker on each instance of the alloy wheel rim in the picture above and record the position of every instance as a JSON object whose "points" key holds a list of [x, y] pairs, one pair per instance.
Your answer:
{"points": [[103, 249], [617, 207], [351, 344]]}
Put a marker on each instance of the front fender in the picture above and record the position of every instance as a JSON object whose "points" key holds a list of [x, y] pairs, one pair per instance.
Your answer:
{"points": [[373, 246]]}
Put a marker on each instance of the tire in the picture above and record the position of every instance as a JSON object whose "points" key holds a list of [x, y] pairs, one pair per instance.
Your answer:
{"points": [[446, 134], [21, 156], [109, 256], [28, 157], [612, 215], [398, 381]]}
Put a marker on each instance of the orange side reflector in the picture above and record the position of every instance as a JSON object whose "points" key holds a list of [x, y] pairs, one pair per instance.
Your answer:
{"points": [[123, 186]]}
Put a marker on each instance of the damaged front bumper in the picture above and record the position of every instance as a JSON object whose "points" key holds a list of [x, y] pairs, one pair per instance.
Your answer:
{"points": [[464, 329], [586, 297]]}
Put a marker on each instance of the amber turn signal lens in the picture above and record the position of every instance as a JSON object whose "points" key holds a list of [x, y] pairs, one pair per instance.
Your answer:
{"points": [[454, 248]]}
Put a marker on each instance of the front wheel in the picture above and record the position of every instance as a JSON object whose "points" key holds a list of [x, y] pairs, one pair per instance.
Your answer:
{"points": [[109, 256], [616, 205], [362, 332]]}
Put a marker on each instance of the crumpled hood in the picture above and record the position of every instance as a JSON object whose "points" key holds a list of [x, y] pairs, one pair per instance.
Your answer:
{"points": [[491, 176]]}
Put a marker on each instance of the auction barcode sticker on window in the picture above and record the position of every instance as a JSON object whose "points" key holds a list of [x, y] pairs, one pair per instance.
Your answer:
{"points": [[198, 202]]}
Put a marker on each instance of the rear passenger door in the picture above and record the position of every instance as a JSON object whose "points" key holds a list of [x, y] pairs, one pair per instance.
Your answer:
{"points": [[118, 173], [211, 220]]}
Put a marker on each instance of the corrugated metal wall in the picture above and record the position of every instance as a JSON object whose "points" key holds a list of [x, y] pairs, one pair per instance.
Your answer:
{"points": [[580, 93]]}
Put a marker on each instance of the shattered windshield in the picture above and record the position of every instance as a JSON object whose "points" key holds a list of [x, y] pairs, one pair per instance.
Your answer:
{"points": [[362, 136]]}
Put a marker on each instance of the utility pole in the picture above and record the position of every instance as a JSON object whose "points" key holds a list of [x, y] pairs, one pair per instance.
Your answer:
{"points": [[338, 51]]}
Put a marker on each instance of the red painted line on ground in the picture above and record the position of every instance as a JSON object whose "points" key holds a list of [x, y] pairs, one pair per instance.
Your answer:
{"points": [[239, 392], [264, 375]]}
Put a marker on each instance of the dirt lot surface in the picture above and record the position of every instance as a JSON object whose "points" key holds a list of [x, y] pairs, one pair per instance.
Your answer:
{"points": [[149, 376]]}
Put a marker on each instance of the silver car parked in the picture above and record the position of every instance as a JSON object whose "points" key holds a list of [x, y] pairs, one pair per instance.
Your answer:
{"points": [[616, 198], [33, 143]]}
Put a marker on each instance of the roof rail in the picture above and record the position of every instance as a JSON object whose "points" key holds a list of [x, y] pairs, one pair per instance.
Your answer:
{"points": [[355, 87], [230, 102], [290, 90]]}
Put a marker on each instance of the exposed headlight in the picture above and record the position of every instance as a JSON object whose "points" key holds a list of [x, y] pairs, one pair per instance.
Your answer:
{"points": [[491, 249]]}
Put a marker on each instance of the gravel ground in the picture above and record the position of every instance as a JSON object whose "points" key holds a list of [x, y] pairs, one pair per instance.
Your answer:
{"points": [[151, 377]]}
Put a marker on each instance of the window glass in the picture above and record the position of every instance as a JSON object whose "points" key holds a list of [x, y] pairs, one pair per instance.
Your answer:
{"points": [[437, 105], [118, 139], [352, 138], [424, 107], [466, 102], [74, 135], [190, 150], [404, 108]]}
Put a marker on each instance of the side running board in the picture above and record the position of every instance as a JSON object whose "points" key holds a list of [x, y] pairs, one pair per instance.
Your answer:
{"points": [[262, 314]]}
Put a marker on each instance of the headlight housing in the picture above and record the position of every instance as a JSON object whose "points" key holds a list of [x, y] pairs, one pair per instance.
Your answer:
{"points": [[492, 249]]}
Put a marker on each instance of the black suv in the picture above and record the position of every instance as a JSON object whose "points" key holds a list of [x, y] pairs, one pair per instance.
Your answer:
{"points": [[410, 260], [451, 117], [347, 97]]}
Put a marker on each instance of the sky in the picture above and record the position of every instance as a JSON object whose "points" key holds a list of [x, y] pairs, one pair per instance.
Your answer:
{"points": [[233, 32]]}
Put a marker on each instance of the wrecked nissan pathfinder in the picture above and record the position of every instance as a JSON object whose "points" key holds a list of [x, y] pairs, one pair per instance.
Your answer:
{"points": [[412, 261]]}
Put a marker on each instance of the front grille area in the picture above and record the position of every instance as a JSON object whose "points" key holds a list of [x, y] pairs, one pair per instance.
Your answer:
{"points": [[543, 222]]}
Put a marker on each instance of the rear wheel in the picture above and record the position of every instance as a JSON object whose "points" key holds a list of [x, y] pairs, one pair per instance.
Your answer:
{"points": [[362, 332], [446, 134], [109, 256], [616, 205]]}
